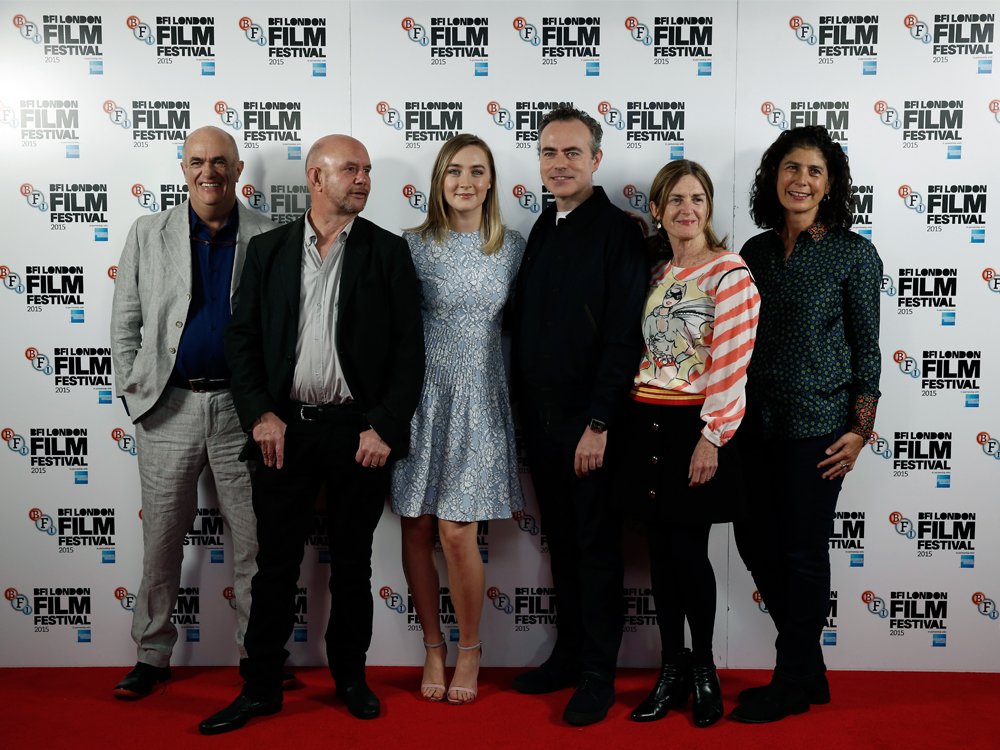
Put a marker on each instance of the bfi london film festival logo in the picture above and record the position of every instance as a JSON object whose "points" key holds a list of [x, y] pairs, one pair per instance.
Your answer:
{"points": [[673, 39], [65, 36], [994, 108], [453, 38], [278, 122], [207, 533], [636, 199], [67, 203], [534, 203], [55, 607], [908, 611], [929, 288], [524, 120], [917, 451], [281, 203], [51, 448], [48, 287], [76, 528], [947, 205], [74, 368], [423, 121], [841, 38], [160, 120], [955, 37], [166, 195], [640, 609], [926, 121], [944, 370], [829, 636], [288, 39], [529, 525], [126, 442], [41, 121], [416, 198], [648, 123], [989, 444], [530, 606], [403, 605], [565, 38], [933, 531], [848, 535], [835, 116], [989, 275], [862, 208], [986, 606], [178, 36]]}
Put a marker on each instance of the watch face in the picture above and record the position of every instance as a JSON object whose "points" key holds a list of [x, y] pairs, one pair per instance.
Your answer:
{"points": [[597, 425]]}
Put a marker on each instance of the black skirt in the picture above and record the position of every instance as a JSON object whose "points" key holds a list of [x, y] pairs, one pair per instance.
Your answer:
{"points": [[655, 444]]}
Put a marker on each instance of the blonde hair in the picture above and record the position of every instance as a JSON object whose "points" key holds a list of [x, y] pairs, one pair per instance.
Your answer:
{"points": [[436, 225]]}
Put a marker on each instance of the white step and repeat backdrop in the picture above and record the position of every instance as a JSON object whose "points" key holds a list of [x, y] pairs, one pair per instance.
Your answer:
{"points": [[96, 98]]}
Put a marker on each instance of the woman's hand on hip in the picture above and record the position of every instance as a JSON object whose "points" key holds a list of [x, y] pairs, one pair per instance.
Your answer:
{"points": [[841, 456]]}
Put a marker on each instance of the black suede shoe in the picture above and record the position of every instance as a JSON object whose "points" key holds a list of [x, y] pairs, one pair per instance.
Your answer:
{"points": [[140, 682], [360, 700], [707, 706], [545, 679], [772, 703], [670, 691], [817, 691], [289, 681], [238, 713], [590, 702]]}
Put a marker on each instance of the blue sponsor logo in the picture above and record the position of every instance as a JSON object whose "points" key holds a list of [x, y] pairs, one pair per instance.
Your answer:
{"points": [[107, 557], [192, 635], [104, 396], [866, 233], [100, 234], [208, 67], [300, 635], [324, 556], [319, 70], [939, 640], [857, 559], [985, 67], [955, 151], [971, 400], [97, 67], [81, 476], [948, 318], [967, 561], [83, 636], [869, 67], [180, 152], [217, 556], [829, 637], [705, 68], [593, 68], [978, 236], [295, 153], [72, 150], [676, 152], [943, 481], [482, 69], [76, 315]]}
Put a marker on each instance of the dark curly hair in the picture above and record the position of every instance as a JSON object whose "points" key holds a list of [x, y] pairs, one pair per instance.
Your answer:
{"points": [[835, 210]]}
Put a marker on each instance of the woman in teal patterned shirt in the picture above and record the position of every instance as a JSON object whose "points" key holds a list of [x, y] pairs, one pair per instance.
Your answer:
{"points": [[812, 391]]}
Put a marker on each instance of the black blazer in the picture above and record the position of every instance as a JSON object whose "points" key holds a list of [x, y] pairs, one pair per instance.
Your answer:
{"points": [[379, 336]]}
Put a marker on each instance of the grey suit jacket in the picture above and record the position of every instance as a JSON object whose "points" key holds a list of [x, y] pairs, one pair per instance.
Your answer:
{"points": [[152, 296]]}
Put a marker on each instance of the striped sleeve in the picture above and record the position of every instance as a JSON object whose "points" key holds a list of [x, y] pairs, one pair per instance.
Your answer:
{"points": [[737, 306]]}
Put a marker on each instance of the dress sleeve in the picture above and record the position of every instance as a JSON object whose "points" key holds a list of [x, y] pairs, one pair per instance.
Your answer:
{"points": [[861, 323], [737, 306]]}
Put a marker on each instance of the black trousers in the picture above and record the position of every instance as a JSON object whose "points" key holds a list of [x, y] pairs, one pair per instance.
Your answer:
{"points": [[583, 529], [316, 453], [784, 543]]}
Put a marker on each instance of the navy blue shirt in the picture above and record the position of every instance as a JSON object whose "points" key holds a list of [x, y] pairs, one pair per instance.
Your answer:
{"points": [[200, 352]]}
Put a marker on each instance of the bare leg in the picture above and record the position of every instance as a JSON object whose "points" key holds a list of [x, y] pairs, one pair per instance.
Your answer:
{"points": [[466, 581], [422, 577]]}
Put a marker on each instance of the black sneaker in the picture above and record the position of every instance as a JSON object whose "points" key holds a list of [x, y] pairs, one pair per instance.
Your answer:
{"points": [[590, 702]]}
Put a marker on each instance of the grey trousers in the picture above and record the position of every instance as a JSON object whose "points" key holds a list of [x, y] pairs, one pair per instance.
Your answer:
{"points": [[182, 434]]}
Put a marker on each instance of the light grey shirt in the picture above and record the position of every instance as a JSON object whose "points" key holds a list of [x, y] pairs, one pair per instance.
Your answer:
{"points": [[319, 378]]}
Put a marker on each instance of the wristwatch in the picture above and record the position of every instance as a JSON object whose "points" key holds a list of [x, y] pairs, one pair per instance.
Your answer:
{"points": [[597, 425]]}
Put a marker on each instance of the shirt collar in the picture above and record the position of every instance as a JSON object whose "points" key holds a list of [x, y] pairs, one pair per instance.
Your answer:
{"points": [[200, 228], [309, 236]]}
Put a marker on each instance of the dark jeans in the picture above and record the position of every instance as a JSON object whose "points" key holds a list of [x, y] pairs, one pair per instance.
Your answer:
{"points": [[584, 538], [316, 453], [785, 545]]}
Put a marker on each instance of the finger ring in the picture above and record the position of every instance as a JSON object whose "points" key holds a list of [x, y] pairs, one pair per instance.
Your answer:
{"points": [[843, 464]]}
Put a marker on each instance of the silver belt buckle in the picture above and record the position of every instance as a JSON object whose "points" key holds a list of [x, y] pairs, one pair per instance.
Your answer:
{"points": [[302, 413]]}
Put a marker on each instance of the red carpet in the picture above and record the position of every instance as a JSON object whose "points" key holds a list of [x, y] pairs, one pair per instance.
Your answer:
{"points": [[73, 708]]}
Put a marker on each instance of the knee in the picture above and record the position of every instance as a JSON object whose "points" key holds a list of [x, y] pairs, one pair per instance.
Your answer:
{"points": [[458, 539], [417, 533]]}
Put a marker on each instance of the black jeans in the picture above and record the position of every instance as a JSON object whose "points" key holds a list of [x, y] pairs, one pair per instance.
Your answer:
{"points": [[583, 529], [785, 545], [316, 453]]}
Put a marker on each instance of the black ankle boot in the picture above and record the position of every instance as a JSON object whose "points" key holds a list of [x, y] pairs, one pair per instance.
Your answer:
{"points": [[670, 691], [707, 705]]}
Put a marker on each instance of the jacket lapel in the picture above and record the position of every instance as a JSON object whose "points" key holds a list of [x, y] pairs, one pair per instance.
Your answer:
{"points": [[288, 265], [358, 242], [176, 240]]}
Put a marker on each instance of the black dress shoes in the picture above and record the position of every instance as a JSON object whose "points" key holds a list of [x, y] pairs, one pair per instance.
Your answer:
{"points": [[545, 679], [140, 682], [238, 713], [771, 703], [361, 702], [590, 702], [707, 706], [817, 691], [670, 691]]}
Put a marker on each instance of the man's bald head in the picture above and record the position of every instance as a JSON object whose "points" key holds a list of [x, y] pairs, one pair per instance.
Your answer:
{"points": [[337, 172]]}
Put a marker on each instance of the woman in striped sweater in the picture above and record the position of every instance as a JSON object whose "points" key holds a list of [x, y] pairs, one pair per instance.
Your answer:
{"points": [[681, 468]]}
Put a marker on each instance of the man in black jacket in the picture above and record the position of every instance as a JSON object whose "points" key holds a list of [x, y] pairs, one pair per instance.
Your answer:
{"points": [[327, 358], [577, 345]]}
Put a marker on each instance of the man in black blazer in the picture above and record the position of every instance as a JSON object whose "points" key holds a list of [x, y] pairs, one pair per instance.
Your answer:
{"points": [[327, 358]]}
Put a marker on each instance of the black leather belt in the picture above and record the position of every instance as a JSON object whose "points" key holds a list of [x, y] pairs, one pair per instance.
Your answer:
{"points": [[326, 412], [200, 385]]}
